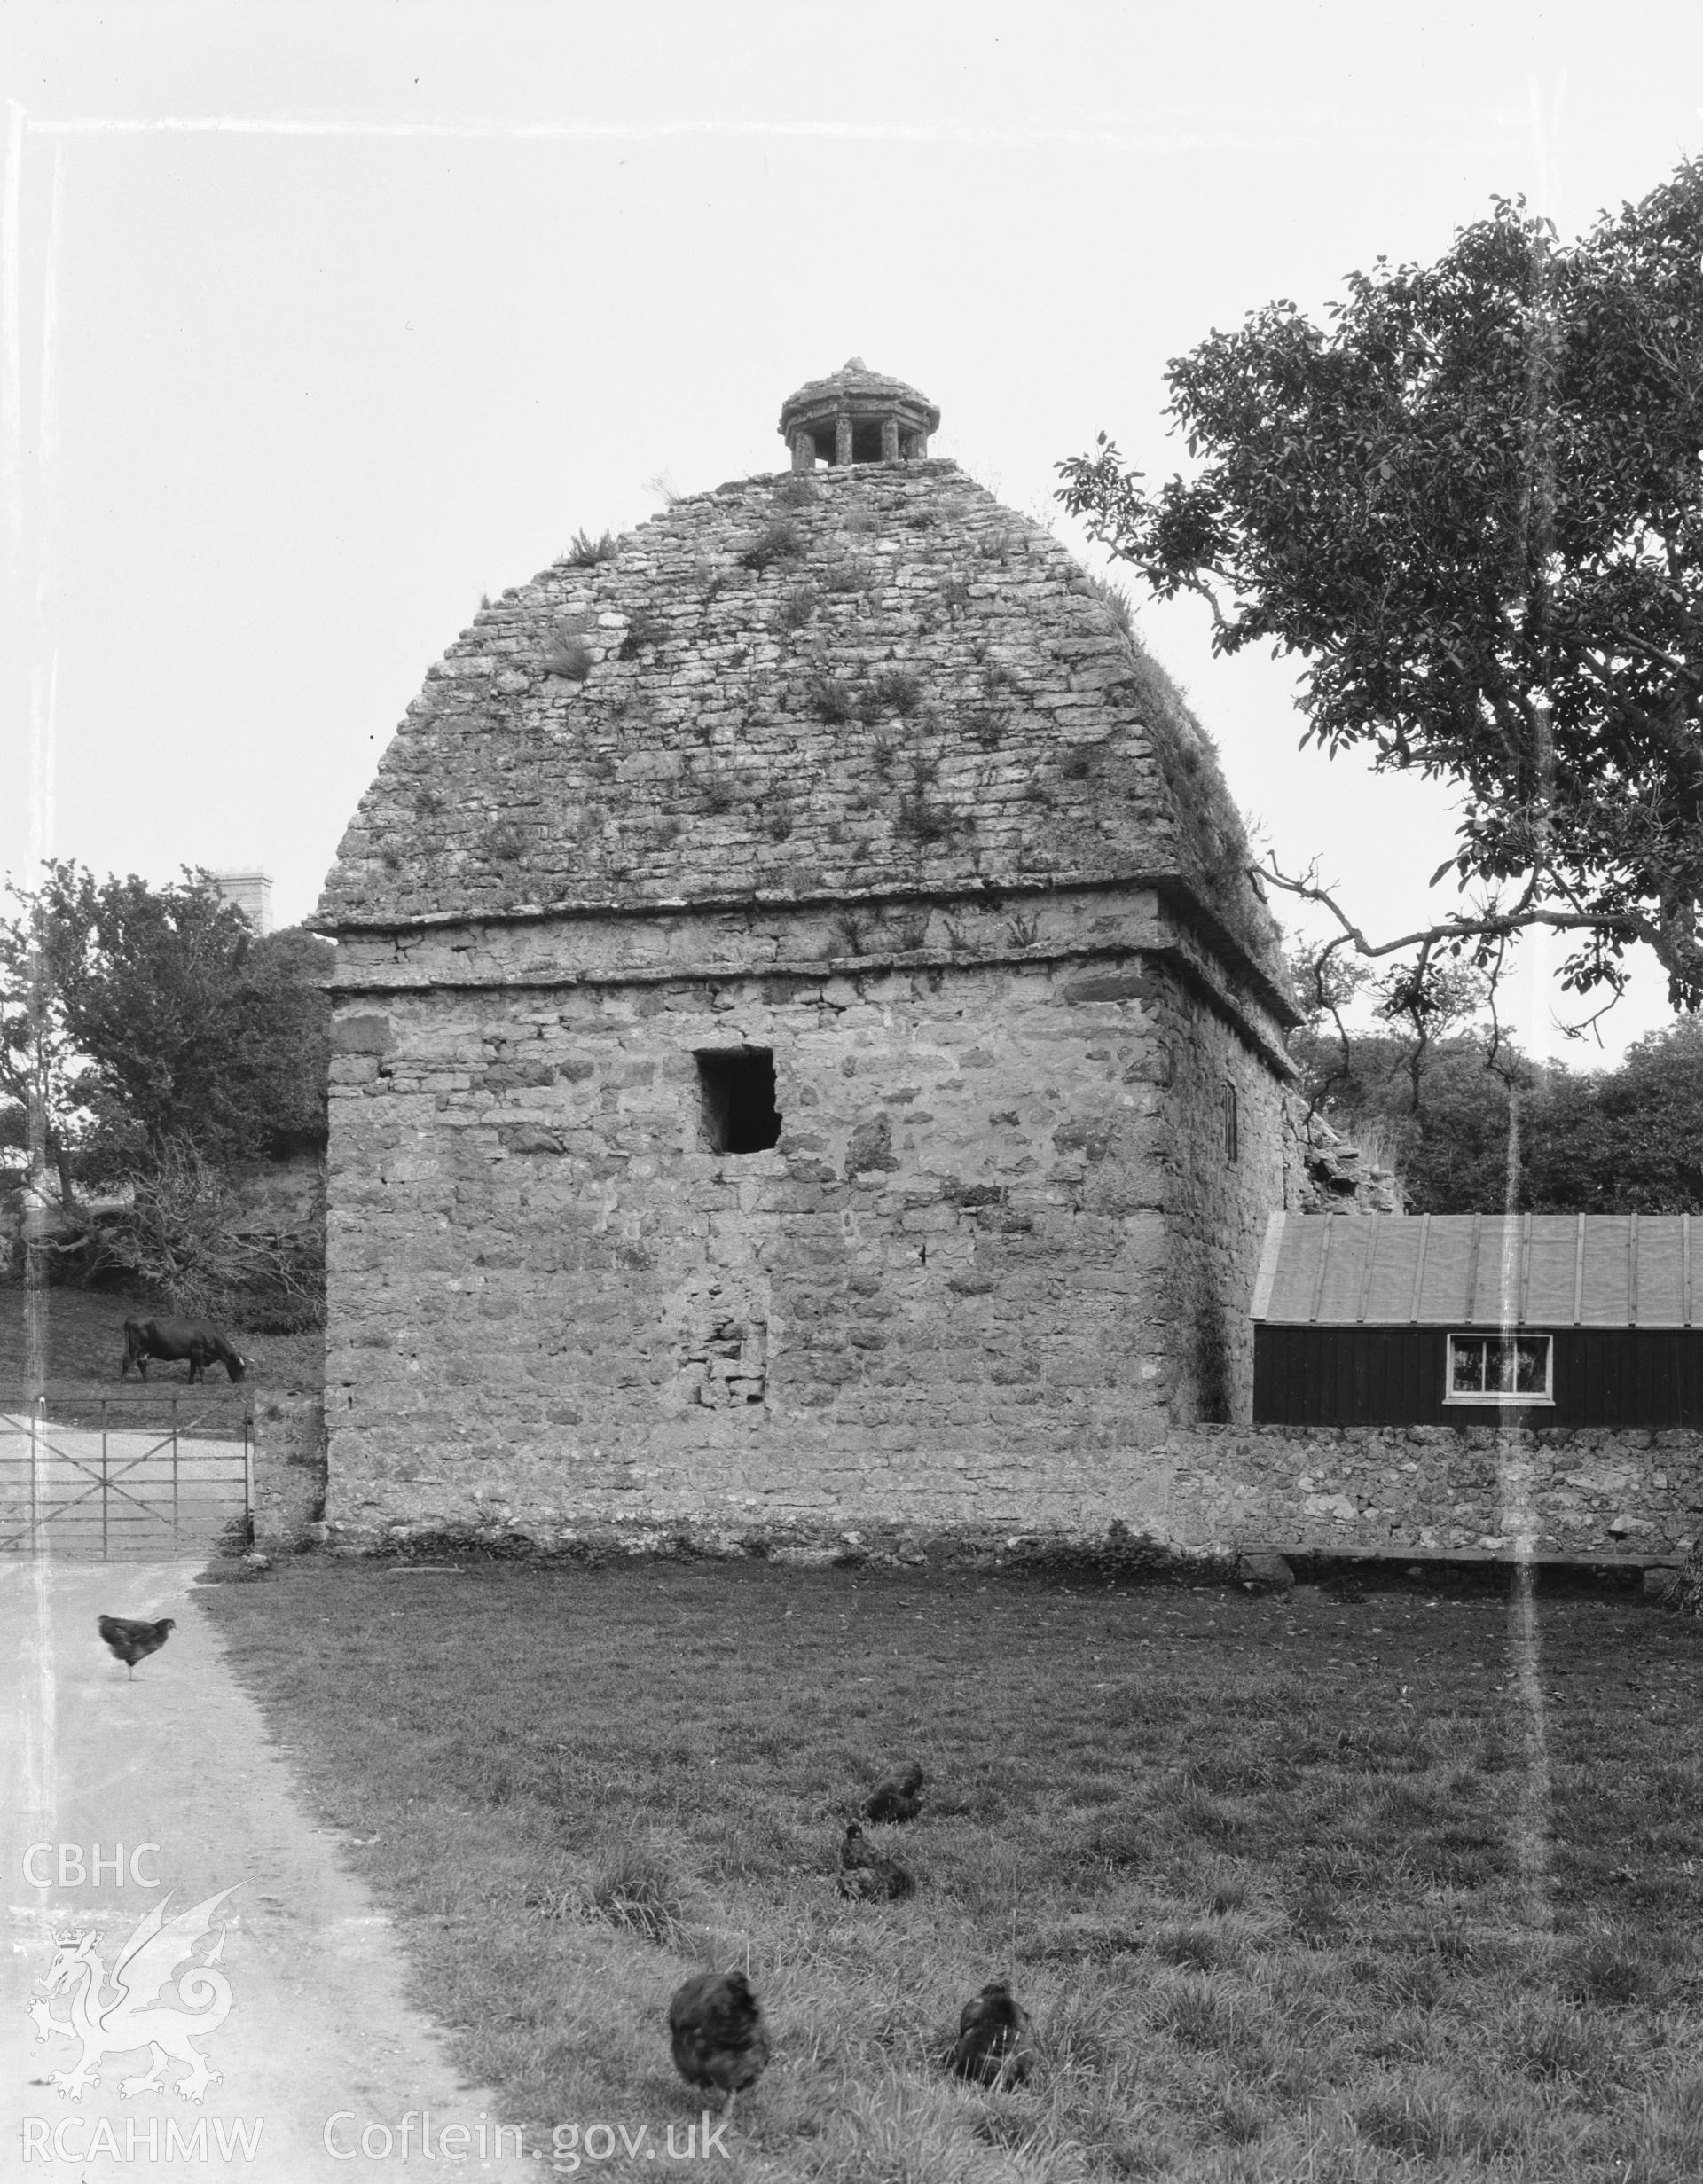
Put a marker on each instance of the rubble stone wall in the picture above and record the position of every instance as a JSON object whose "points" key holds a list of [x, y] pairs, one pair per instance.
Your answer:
{"points": [[1325, 1173], [1436, 1490], [998, 1240], [1226, 1173], [289, 1468], [1213, 1491]]}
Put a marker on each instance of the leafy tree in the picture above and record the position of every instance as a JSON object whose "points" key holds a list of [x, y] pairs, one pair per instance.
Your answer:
{"points": [[40, 1074], [150, 1018], [1627, 1142], [1450, 1116], [1437, 1115], [1472, 505]]}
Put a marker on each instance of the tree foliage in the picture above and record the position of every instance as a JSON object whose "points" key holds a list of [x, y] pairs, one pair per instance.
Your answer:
{"points": [[1627, 1142], [1469, 1116], [1471, 503], [151, 1017]]}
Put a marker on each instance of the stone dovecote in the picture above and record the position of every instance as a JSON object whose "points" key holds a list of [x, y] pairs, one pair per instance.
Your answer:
{"points": [[807, 1040]]}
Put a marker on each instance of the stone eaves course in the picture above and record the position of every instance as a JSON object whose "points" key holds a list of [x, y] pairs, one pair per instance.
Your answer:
{"points": [[870, 681]]}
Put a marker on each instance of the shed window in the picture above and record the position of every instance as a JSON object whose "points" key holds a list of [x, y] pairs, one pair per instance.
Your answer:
{"points": [[1499, 1368], [740, 1114]]}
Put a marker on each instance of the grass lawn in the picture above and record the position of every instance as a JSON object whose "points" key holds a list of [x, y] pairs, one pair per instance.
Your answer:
{"points": [[1302, 1888], [85, 1343]]}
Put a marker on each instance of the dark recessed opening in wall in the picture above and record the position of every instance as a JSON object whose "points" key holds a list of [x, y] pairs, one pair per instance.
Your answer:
{"points": [[740, 1114]]}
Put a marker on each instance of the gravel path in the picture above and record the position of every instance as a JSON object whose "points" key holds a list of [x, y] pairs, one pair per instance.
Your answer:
{"points": [[177, 1759]]}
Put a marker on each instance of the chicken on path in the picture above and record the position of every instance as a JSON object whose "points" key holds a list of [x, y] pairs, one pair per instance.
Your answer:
{"points": [[134, 1641]]}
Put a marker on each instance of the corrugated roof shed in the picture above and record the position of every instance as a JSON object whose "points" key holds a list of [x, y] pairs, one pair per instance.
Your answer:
{"points": [[1484, 1270]]}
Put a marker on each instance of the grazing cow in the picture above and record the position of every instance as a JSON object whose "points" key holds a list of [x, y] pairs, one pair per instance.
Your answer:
{"points": [[198, 1339]]}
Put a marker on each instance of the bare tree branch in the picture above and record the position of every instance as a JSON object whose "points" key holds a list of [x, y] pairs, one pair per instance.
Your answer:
{"points": [[1488, 925]]}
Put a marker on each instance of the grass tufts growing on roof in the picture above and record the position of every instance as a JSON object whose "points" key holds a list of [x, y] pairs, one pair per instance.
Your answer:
{"points": [[584, 551]]}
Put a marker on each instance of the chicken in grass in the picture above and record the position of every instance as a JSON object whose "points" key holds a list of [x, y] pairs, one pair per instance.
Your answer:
{"points": [[866, 1876], [134, 1641], [899, 1797], [716, 2030], [994, 2047]]}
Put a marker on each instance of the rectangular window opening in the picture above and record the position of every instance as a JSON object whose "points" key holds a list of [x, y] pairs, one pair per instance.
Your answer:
{"points": [[737, 1085], [1499, 1368], [1231, 1131]]}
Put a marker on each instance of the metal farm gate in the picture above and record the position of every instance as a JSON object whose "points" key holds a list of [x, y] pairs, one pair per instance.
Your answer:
{"points": [[122, 1475]]}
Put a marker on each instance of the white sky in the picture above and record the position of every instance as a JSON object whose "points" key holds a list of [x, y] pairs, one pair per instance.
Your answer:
{"points": [[320, 320]]}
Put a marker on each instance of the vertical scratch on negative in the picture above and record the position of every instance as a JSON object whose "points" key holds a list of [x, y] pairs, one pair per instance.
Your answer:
{"points": [[28, 614], [1518, 1518]]}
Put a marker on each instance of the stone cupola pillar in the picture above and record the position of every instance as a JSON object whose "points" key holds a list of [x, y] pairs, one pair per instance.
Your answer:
{"points": [[856, 415]]}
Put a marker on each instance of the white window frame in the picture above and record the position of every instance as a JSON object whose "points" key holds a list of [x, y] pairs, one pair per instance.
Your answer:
{"points": [[1520, 1398]]}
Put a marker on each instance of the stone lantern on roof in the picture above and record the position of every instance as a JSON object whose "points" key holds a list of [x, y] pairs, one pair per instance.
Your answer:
{"points": [[856, 415]]}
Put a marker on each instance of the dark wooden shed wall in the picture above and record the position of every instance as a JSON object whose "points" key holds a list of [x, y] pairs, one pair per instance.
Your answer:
{"points": [[1395, 1376]]}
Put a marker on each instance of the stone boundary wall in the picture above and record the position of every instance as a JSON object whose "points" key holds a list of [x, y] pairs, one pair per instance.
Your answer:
{"points": [[1204, 1492], [289, 1468], [1619, 1494]]}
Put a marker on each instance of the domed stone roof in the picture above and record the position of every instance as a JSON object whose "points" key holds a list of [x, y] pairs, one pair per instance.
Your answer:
{"points": [[868, 681]]}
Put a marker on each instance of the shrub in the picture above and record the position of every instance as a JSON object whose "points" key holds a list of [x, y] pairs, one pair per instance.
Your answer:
{"points": [[188, 1240], [586, 551], [643, 629], [924, 821], [779, 541], [896, 690], [567, 654], [797, 607], [833, 701], [1116, 601]]}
